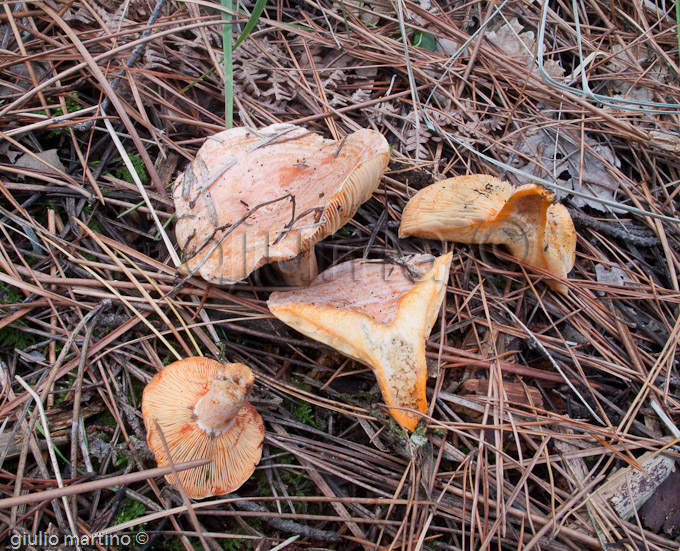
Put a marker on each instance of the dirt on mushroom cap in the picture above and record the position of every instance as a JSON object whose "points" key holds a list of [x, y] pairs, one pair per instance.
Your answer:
{"points": [[482, 209], [379, 313], [312, 187]]}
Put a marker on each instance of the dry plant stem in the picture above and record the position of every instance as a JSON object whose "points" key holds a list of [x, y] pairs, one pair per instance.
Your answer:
{"points": [[47, 385], [288, 525], [55, 369], [185, 497], [50, 449], [325, 488], [90, 486], [555, 365], [142, 191], [78, 384], [141, 289], [30, 442], [134, 56], [226, 231]]}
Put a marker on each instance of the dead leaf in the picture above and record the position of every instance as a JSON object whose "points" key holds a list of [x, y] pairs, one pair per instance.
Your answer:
{"points": [[610, 275], [625, 62], [51, 164], [553, 69], [560, 156], [511, 40], [661, 512]]}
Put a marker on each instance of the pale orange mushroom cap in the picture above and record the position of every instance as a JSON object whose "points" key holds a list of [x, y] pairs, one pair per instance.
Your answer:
{"points": [[201, 408], [378, 313], [314, 187], [483, 209]]}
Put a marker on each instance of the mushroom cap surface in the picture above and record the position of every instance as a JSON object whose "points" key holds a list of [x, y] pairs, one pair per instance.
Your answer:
{"points": [[313, 186], [170, 398], [483, 209], [378, 313]]}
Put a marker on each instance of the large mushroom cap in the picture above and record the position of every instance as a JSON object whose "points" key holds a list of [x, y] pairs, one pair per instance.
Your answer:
{"points": [[224, 427], [313, 186], [483, 209], [379, 313]]}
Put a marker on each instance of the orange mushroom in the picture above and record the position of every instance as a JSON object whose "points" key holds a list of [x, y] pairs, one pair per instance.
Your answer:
{"points": [[200, 406], [483, 209], [254, 197], [378, 313]]}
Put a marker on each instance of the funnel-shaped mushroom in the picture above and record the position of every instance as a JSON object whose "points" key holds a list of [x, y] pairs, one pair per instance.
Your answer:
{"points": [[483, 209], [379, 314], [200, 406], [254, 197]]}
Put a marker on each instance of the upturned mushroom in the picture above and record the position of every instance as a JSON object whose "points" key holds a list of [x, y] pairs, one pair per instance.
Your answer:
{"points": [[378, 313], [482, 209], [200, 406], [254, 197]]}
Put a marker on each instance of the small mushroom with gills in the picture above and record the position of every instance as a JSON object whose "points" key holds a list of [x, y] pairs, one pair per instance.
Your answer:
{"points": [[255, 197], [483, 209], [200, 406], [378, 313]]}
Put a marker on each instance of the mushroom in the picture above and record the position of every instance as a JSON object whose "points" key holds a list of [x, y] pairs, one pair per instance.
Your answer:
{"points": [[200, 406], [483, 209], [253, 197], [378, 313]]}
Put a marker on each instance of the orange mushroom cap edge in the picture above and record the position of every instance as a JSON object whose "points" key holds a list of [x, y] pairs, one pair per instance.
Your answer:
{"points": [[482, 209], [200, 406]]}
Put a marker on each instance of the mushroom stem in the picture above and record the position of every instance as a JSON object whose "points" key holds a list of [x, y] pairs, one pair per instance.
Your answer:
{"points": [[300, 271], [215, 411]]}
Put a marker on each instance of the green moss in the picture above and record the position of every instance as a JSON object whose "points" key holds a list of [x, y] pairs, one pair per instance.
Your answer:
{"points": [[65, 386], [10, 294], [121, 461], [236, 544], [263, 487], [131, 510], [300, 383], [123, 173], [13, 336], [72, 105], [304, 414], [92, 221], [107, 419]]}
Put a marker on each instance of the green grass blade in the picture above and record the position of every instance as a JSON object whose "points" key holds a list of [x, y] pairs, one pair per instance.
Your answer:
{"points": [[227, 37], [677, 21], [252, 21]]}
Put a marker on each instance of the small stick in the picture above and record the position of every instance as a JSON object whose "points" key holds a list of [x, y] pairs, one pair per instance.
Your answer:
{"points": [[99, 484], [182, 491], [288, 227], [337, 151], [78, 385], [272, 140], [219, 241], [289, 525], [50, 449], [217, 174], [134, 56]]}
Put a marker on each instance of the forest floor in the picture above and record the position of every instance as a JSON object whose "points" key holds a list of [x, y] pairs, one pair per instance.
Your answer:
{"points": [[553, 418]]}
